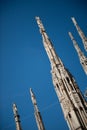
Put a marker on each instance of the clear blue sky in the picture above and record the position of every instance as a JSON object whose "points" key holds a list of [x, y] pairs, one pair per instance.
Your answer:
{"points": [[24, 63]]}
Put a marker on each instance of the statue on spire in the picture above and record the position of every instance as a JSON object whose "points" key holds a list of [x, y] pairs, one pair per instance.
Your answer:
{"points": [[82, 57], [17, 117], [81, 34]]}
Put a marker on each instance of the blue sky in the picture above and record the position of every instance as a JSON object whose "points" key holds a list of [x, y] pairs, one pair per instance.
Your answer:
{"points": [[24, 62]]}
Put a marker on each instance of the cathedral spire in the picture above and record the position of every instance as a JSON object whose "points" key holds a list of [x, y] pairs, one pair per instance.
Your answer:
{"points": [[17, 117], [38, 117], [68, 93], [82, 58], [54, 59], [81, 34]]}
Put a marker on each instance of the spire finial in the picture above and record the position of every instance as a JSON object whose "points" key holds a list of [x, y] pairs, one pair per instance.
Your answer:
{"points": [[33, 98], [40, 25], [74, 21]]}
